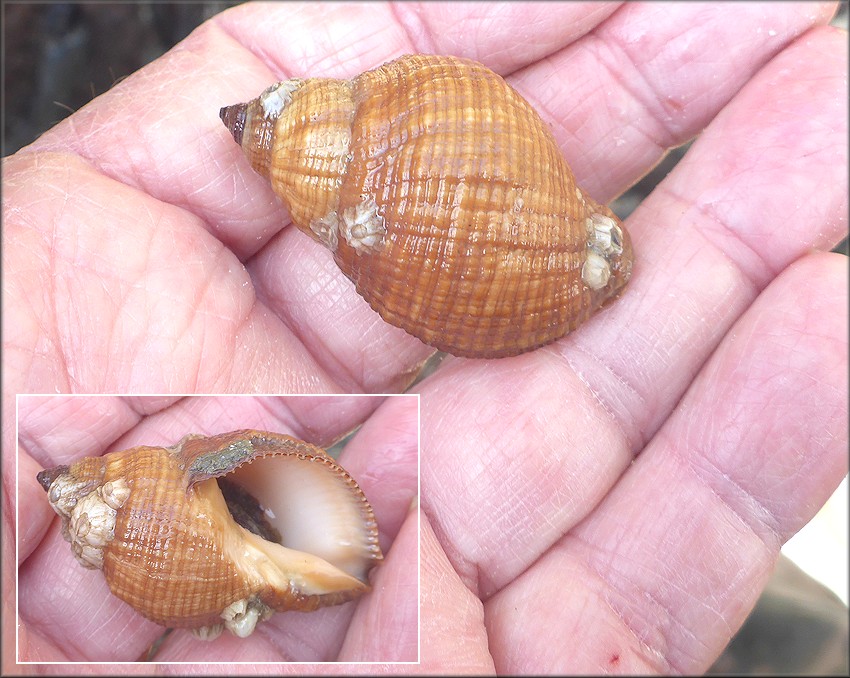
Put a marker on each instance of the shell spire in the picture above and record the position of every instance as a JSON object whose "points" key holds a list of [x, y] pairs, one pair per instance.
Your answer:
{"points": [[444, 198], [233, 118]]}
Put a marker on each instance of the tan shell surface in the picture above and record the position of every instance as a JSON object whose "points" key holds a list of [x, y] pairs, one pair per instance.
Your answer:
{"points": [[486, 231]]}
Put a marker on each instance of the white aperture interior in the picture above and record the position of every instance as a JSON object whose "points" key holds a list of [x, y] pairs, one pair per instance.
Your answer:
{"points": [[267, 564], [314, 508]]}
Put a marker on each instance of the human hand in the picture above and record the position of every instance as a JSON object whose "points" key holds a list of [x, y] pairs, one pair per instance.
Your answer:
{"points": [[526, 461], [68, 614]]}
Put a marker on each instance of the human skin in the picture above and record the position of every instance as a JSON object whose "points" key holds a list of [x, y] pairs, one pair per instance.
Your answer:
{"points": [[612, 502], [382, 456]]}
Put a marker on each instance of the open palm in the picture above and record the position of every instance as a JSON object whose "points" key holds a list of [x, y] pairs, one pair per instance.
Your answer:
{"points": [[614, 501]]}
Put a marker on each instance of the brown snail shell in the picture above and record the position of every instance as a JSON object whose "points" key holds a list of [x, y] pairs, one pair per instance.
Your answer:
{"points": [[444, 197], [288, 529]]}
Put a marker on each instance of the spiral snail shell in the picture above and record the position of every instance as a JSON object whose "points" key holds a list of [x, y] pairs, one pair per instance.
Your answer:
{"points": [[444, 198], [218, 531]]}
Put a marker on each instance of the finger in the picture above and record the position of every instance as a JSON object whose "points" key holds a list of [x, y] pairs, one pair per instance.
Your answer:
{"points": [[323, 420], [73, 609], [383, 457], [187, 162], [776, 186], [520, 474], [56, 430], [31, 647], [547, 433], [651, 77], [385, 627], [489, 33], [453, 638], [454, 641], [671, 562], [700, 236], [18, 643], [36, 515]]}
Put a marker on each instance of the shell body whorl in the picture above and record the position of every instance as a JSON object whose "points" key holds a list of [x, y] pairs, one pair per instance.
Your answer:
{"points": [[444, 198], [290, 530]]}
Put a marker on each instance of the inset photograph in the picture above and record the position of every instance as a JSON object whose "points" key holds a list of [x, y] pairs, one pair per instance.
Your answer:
{"points": [[218, 528]]}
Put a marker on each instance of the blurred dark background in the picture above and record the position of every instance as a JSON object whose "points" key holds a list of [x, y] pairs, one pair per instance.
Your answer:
{"points": [[59, 56]]}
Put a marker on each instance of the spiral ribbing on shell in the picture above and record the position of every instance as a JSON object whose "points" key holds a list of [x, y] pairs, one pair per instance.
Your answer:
{"points": [[444, 198]]}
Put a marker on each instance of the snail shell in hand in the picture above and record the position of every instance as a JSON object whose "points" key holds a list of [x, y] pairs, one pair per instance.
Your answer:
{"points": [[220, 531], [444, 197]]}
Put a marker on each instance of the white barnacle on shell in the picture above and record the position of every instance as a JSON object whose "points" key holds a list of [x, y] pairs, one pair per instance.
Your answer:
{"points": [[91, 527], [604, 241], [326, 229], [115, 493], [596, 271], [88, 515], [277, 97], [362, 226], [603, 234], [241, 617], [64, 493]]}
